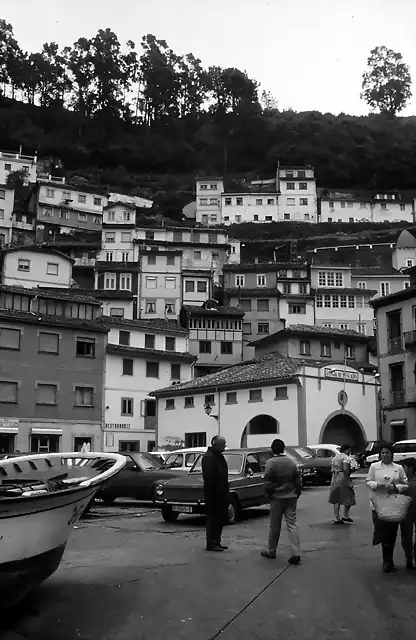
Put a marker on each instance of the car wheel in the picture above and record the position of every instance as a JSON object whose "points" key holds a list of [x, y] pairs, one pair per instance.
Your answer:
{"points": [[108, 500], [168, 515], [234, 511]]}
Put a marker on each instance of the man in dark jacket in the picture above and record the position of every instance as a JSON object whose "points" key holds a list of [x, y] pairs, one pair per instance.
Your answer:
{"points": [[215, 475]]}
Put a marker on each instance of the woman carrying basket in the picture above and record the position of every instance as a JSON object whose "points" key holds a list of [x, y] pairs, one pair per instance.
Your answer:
{"points": [[382, 477]]}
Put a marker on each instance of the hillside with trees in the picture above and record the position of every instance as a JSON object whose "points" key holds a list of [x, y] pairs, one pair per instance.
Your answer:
{"points": [[126, 115]]}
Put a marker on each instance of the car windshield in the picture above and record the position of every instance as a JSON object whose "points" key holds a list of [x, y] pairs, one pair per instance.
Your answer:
{"points": [[234, 462], [145, 461], [305, 452], [174, 460], [369, 446]]}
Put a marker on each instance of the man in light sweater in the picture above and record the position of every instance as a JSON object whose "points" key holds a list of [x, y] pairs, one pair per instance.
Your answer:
{"points": [[283, 488]]}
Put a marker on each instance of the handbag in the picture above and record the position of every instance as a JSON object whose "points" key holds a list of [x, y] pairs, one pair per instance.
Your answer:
{"points": [[391, 508]]}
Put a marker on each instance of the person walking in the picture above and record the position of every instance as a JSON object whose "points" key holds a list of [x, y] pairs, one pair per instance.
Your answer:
{"points": [[341, 492], [283, 488], [408, 526], [216, 492], [382, 477]]}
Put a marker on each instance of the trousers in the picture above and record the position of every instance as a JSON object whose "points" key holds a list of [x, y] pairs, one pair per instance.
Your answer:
{"points": [[214, 524], [285, 507], [386, 534], [408, 535]]}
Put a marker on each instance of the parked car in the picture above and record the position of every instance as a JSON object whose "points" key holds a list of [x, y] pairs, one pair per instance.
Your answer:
{"points": [[246, 467], [137, 479], [183, 459], [325, 450], [318, 469], [372, 449], [402, 449], [160, 455]]}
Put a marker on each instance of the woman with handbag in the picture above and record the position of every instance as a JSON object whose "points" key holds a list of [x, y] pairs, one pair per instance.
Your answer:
{"points": [[382, 477]]}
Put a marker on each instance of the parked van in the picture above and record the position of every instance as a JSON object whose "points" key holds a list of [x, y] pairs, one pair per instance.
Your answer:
{"points": [[183, 459]]}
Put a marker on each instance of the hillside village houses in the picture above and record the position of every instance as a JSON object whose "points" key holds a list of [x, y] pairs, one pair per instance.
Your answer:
{"points": [[366, 206]]}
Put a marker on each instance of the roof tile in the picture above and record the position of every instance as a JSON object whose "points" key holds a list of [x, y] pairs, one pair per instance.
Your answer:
{"points": [[147, 324], [118, 349]]}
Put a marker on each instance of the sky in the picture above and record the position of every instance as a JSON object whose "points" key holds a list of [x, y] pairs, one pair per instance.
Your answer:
{"points": [[310, 54]]}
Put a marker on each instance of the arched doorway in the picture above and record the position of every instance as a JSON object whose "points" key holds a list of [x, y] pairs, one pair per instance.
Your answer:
{"points": [[343, 428], [260, 431]]}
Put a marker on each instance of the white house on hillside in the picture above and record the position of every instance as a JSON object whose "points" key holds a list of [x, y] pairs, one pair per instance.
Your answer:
{"points": [[32, 266]]}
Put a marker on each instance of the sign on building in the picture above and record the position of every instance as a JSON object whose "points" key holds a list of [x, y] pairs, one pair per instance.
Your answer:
{"points": [[117, 426], [340, 374]]}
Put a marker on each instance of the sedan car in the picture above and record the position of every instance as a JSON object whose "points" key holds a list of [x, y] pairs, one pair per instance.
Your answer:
{"points": [[136, 479], [246, 469], [318, 469]]}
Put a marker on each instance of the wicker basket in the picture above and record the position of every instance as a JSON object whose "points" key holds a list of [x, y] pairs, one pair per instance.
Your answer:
{"points": [[391, 508]]}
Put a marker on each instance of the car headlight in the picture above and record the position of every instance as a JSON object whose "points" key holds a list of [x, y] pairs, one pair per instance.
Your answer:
{"points": [[159, 490]]}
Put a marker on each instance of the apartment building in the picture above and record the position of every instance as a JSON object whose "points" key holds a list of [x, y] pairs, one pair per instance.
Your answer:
{"points": [[215, 335], [396, 347], [298, 196], [296, 301], [208, 200], [140, 355], [6, 214], [33, 266], [52, 356], [365, 206], [160, 292], [256, 203], [10, 162]]}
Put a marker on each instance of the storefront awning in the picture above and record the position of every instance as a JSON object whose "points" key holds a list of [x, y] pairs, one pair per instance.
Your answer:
{"points": [[9, 430], [46, 432]]}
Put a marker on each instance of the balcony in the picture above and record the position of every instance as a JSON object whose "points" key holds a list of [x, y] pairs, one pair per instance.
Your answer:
{"points": [[395, 345], [26, 226], [84, 262], [410, 339], [397, 398]]}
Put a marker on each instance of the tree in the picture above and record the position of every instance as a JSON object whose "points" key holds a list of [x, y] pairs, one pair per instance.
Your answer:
{"points": [[10, 55], [386, 82]]}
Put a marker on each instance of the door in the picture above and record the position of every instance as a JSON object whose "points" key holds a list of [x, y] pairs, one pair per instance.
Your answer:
{"points": [[253, 479], [7, 442], [125, 484]]}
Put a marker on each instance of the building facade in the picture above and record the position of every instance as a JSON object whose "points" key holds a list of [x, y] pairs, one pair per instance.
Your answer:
{"points": [[34, 266], [52, 353], [6, 214], [141, 354], [298, 196], [10, 162], [365, 206]]}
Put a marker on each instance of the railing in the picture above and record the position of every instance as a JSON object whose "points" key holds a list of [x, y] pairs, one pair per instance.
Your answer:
{"points": [[410, 339], [17, 156], [397, 398], [395, 345], [84, 262], [49, 178]]}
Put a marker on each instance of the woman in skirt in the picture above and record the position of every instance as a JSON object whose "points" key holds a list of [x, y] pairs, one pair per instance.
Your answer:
{"points": [[341, 492]]}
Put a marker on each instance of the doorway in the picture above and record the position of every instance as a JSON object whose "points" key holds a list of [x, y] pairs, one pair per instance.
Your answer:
{"points": [[7, 442], [343, 429]]}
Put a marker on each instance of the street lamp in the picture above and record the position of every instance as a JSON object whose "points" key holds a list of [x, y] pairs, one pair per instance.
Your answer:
{"points": [[208, 411]]}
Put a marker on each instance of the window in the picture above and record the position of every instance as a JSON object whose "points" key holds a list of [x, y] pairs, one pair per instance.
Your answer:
{"points": [[231, 397], [287, 287], [85, 347], [227, 202], [8, 391], [344, 326], [383, 206], [402, 207], [23, 265], [361, 328], [84, 396], [82, 217], [343, 300], [245, 304], [204, 346], [350, 351], [109, 255], [46, 393], [270, 200], [335, 301], [189, 402], [110, 236], [124, 338], [152, 369], [111, 216], [150, 306], [268, 218], [195, 440], [189, 286], [303, 288], [50, 193], [409, 262], [239, 280], [306, 216], [203, 201], [339, 279], [226, 348], [151, 260], [204, 186], [7, 166], [362, 285], [289, 174], [175, 371], [127, 367], [201, 286], [127, 406], [303, 202], [170, 307], [319, 300], [125, 236], [290, 186], [97, 202], [325, 349], [351, 302], [239, 201], [52, 268], [263, 328], [384, 288], [48, 342], [197, 255], [44, 444], [290, 202], [328, 325], [280, 393], [125, 256], [126, 216], [170, 403], [246, 328], [1, 214], [82, 199], [170, 261], [151, 282], [303, 186], [238, 219], [109, 281], [297, 308], [261, 280], [9, 338], [210, 399], [259, 202], [170, 283], [263, 304], [305, 348], [255, 395], [170, 344], [149, 341]]}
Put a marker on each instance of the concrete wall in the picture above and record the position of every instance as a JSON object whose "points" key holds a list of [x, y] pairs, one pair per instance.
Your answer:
{"points": [[30, 269]]}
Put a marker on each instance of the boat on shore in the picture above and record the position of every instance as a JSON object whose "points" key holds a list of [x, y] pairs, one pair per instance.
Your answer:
{"points": [[41, 498]]}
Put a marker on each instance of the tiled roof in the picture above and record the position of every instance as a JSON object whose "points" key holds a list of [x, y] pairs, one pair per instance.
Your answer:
{"points": [[386, 270], [122, 350], [16, 289], [260, 292], [313, 331], [346, 291], [260, 267], [100, 294], [156, 324], [194, 310], [56, 321], [269, 367], [102, 265], [37, 249], [405, 294], [72, 295]]}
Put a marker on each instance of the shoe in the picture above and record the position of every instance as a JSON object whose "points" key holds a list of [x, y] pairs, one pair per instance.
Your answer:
{"points": [[295, 560], [217, 547], [268, 554], [339, 522], [223, 546], [388, 567], [347, 520], [410, 566]]}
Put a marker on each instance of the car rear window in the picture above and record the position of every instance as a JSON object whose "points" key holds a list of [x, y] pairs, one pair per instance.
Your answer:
{"points": [[405, 447]]}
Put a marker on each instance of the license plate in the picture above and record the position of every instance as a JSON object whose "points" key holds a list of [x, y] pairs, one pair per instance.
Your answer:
{"points": [[181, 508]]}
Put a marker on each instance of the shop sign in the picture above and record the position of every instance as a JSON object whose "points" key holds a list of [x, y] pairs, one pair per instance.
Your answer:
{"points": [[6, 423], [340, 374], [117, 426]]}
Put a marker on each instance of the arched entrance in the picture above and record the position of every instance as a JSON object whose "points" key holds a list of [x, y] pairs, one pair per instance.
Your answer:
{"points": [[260, 431], [342, 427]]}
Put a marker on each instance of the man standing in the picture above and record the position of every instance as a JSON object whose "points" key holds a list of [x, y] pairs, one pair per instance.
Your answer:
{"points": [[283, 488], [215, 475]]}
